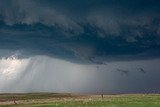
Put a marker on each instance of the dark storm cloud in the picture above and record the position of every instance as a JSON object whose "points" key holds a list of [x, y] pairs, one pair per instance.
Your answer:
{"points": [[119, 39], [86, 30]]}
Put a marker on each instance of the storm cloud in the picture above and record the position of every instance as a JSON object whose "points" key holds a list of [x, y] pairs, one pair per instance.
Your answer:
{"points": [[101, 31], [84, 34]]}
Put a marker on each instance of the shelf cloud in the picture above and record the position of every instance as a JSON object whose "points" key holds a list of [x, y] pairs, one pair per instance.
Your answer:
{"points": [[86, 35]]}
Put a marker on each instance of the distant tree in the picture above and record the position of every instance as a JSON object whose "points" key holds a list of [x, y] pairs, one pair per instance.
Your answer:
{"points": [[102, 94], [14, 100]]}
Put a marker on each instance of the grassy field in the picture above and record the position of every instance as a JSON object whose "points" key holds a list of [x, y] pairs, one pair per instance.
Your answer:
{"points": [[71, 100]]}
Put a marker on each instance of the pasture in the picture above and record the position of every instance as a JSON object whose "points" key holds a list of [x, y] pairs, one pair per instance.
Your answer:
{"points": [[73, 100]]}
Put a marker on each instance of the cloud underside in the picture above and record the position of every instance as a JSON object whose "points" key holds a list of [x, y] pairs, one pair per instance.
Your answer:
{"points": [[91, 34]]}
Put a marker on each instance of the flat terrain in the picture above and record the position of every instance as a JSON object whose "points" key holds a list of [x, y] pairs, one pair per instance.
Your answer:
{"points": [[72, 100]]}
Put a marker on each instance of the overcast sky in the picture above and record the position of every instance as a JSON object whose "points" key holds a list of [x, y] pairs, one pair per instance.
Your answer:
{"points": [[90, 46]]}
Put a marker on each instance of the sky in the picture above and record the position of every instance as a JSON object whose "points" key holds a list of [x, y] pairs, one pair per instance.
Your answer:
{"points": [[85, 46]]}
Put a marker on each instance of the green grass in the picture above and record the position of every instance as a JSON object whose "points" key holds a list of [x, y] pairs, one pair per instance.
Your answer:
{"points": [[68, 100]]}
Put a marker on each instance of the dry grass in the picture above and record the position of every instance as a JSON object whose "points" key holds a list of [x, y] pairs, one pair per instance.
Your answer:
{"points": [[73, 100]]}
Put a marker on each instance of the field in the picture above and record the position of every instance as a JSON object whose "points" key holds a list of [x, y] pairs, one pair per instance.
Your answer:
{"points": [[73, 100]]}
